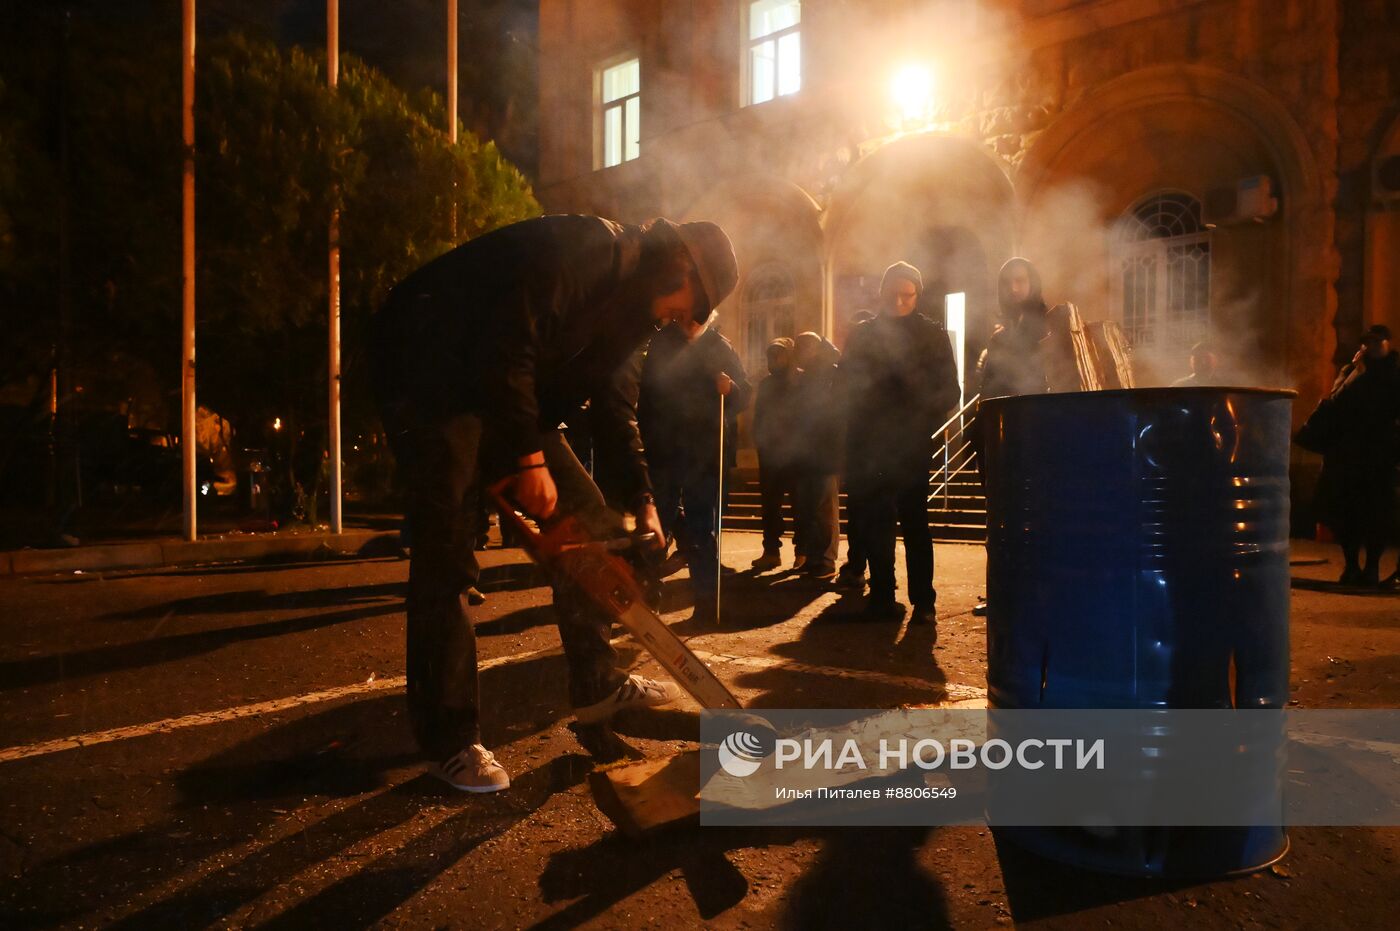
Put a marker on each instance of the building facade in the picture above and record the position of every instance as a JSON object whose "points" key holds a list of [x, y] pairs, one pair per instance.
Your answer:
{"points": [[1195, 169]]}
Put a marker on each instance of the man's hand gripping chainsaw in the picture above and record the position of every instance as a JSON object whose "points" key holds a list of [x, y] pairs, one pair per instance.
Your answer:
{"points": [[563, 548]]}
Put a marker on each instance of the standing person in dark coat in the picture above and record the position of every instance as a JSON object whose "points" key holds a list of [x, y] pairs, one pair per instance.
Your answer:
{"points": [[688, 367], [852, 574], [777, 443], [818, 423], [1013, 362], [1356, 492], [902, 383], [479, 355]]}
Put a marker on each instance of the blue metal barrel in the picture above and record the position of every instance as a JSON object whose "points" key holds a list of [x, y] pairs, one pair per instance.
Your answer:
{"points": [[1137, 557]]}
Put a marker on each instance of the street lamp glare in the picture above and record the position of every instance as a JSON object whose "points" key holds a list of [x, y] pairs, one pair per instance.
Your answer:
{"points": [[912, 90]]}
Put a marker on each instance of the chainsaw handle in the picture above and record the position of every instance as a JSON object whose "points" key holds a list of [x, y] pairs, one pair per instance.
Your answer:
{"points": [[508, 512]]}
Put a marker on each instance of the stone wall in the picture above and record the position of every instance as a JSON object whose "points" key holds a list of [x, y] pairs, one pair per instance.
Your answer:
{"points": [[1369, 67]]}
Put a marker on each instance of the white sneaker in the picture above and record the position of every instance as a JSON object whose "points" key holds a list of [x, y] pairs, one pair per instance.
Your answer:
{"points": [[636, 692], [472, 770]]}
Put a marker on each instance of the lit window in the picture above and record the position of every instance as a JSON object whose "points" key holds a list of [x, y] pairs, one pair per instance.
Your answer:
{"points": [[774, 46], [1163, 279], [621, 102]]}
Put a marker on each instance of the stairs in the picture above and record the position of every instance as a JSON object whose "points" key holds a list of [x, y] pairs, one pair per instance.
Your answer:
{"points": [[962, 518], [957, 510]]}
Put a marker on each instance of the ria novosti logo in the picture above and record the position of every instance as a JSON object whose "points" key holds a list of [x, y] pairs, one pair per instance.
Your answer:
{"points": [[740, 754]]}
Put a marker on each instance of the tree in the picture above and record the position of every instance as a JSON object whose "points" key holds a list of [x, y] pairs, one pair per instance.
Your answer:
{"points": [[277, 150]]}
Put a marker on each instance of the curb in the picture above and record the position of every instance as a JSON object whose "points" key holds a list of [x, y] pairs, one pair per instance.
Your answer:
{"points": [[156, 554]]}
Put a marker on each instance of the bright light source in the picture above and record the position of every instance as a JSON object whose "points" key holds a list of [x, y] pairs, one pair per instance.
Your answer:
{"points": [[277, 423], [912, 90]]}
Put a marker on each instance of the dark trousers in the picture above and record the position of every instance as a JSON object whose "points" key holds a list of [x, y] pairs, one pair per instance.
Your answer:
{"points": [[777, 484], [818, 516], [442, 465], [899, 496], [857, 508], [687, 498]]}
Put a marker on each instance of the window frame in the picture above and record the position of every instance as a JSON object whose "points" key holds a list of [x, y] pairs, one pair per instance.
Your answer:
{"points": [[1155, 257], [601, 109], [746, 47], [762, 317]]}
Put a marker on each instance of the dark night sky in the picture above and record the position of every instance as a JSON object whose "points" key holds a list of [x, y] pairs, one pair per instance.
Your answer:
{"points": [[404, 38], [407, 40]]}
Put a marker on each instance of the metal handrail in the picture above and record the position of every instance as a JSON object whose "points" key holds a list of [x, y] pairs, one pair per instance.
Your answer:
{"points": [[952, 461], [960, 412]]}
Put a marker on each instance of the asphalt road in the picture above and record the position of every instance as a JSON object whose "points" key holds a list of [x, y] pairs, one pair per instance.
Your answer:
{"points": [[227, 746]]}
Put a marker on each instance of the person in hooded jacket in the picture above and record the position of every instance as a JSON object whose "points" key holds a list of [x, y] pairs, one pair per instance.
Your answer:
{"points": [[1013, 362], [778, 447], [478, 357], [689, 367], [901, 384], [1356, 492], [818, 423]]}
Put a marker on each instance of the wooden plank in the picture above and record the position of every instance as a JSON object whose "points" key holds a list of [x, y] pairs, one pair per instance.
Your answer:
{"points": [[642, 796], [648, 794]]}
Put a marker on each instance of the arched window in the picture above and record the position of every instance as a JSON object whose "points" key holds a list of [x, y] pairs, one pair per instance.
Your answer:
{"points": [[1163, 272], [767, 310]]}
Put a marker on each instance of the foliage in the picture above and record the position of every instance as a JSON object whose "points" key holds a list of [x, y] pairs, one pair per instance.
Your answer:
{"points": [[276, 151]]}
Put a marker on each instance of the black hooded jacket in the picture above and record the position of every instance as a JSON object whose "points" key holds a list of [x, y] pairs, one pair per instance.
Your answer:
{"points": [[901, 383], [521, 326], [1013, 362]]}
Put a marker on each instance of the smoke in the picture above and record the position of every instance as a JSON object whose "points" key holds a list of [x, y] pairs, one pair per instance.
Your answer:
{"points": [[1073, 234], [708, 159]]}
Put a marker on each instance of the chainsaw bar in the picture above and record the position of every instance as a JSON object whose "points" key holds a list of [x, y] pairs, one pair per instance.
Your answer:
{"points": [[563, 549]]}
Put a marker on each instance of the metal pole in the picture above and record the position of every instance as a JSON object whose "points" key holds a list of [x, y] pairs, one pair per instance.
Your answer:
{"points": [[187, 399], [333, 288], [452, 71], [719, 518], [452, 97]]}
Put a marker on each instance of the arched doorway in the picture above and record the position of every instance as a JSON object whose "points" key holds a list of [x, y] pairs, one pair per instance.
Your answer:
{"points": [[943, 203], [767, 309], [1166, 140], [1382, 269], [774, 226]]}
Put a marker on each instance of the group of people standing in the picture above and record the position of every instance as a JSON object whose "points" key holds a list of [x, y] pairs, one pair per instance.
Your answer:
{"points": [[869, 415]]}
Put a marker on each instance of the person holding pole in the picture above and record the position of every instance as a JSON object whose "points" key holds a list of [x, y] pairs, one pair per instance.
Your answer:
{"points": [[478, 357], [693, 389]]}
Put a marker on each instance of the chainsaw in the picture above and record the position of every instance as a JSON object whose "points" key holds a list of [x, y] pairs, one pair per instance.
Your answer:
{"points": [[597, 568]]}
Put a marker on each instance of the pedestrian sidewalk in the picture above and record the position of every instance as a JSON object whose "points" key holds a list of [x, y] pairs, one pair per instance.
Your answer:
{"points": [[290, 544]]}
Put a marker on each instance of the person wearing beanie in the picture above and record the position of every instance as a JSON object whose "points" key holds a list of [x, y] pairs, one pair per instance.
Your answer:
{"points": [[477, 358], [901, 384], [688, 367], [778, 447]]}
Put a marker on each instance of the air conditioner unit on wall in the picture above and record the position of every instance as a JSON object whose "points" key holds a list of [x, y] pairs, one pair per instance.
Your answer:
{"points": [[1385, 179], [1251, 200]]}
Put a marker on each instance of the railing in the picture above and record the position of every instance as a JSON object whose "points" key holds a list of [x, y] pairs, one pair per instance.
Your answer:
{"points": [[954, 454]]}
